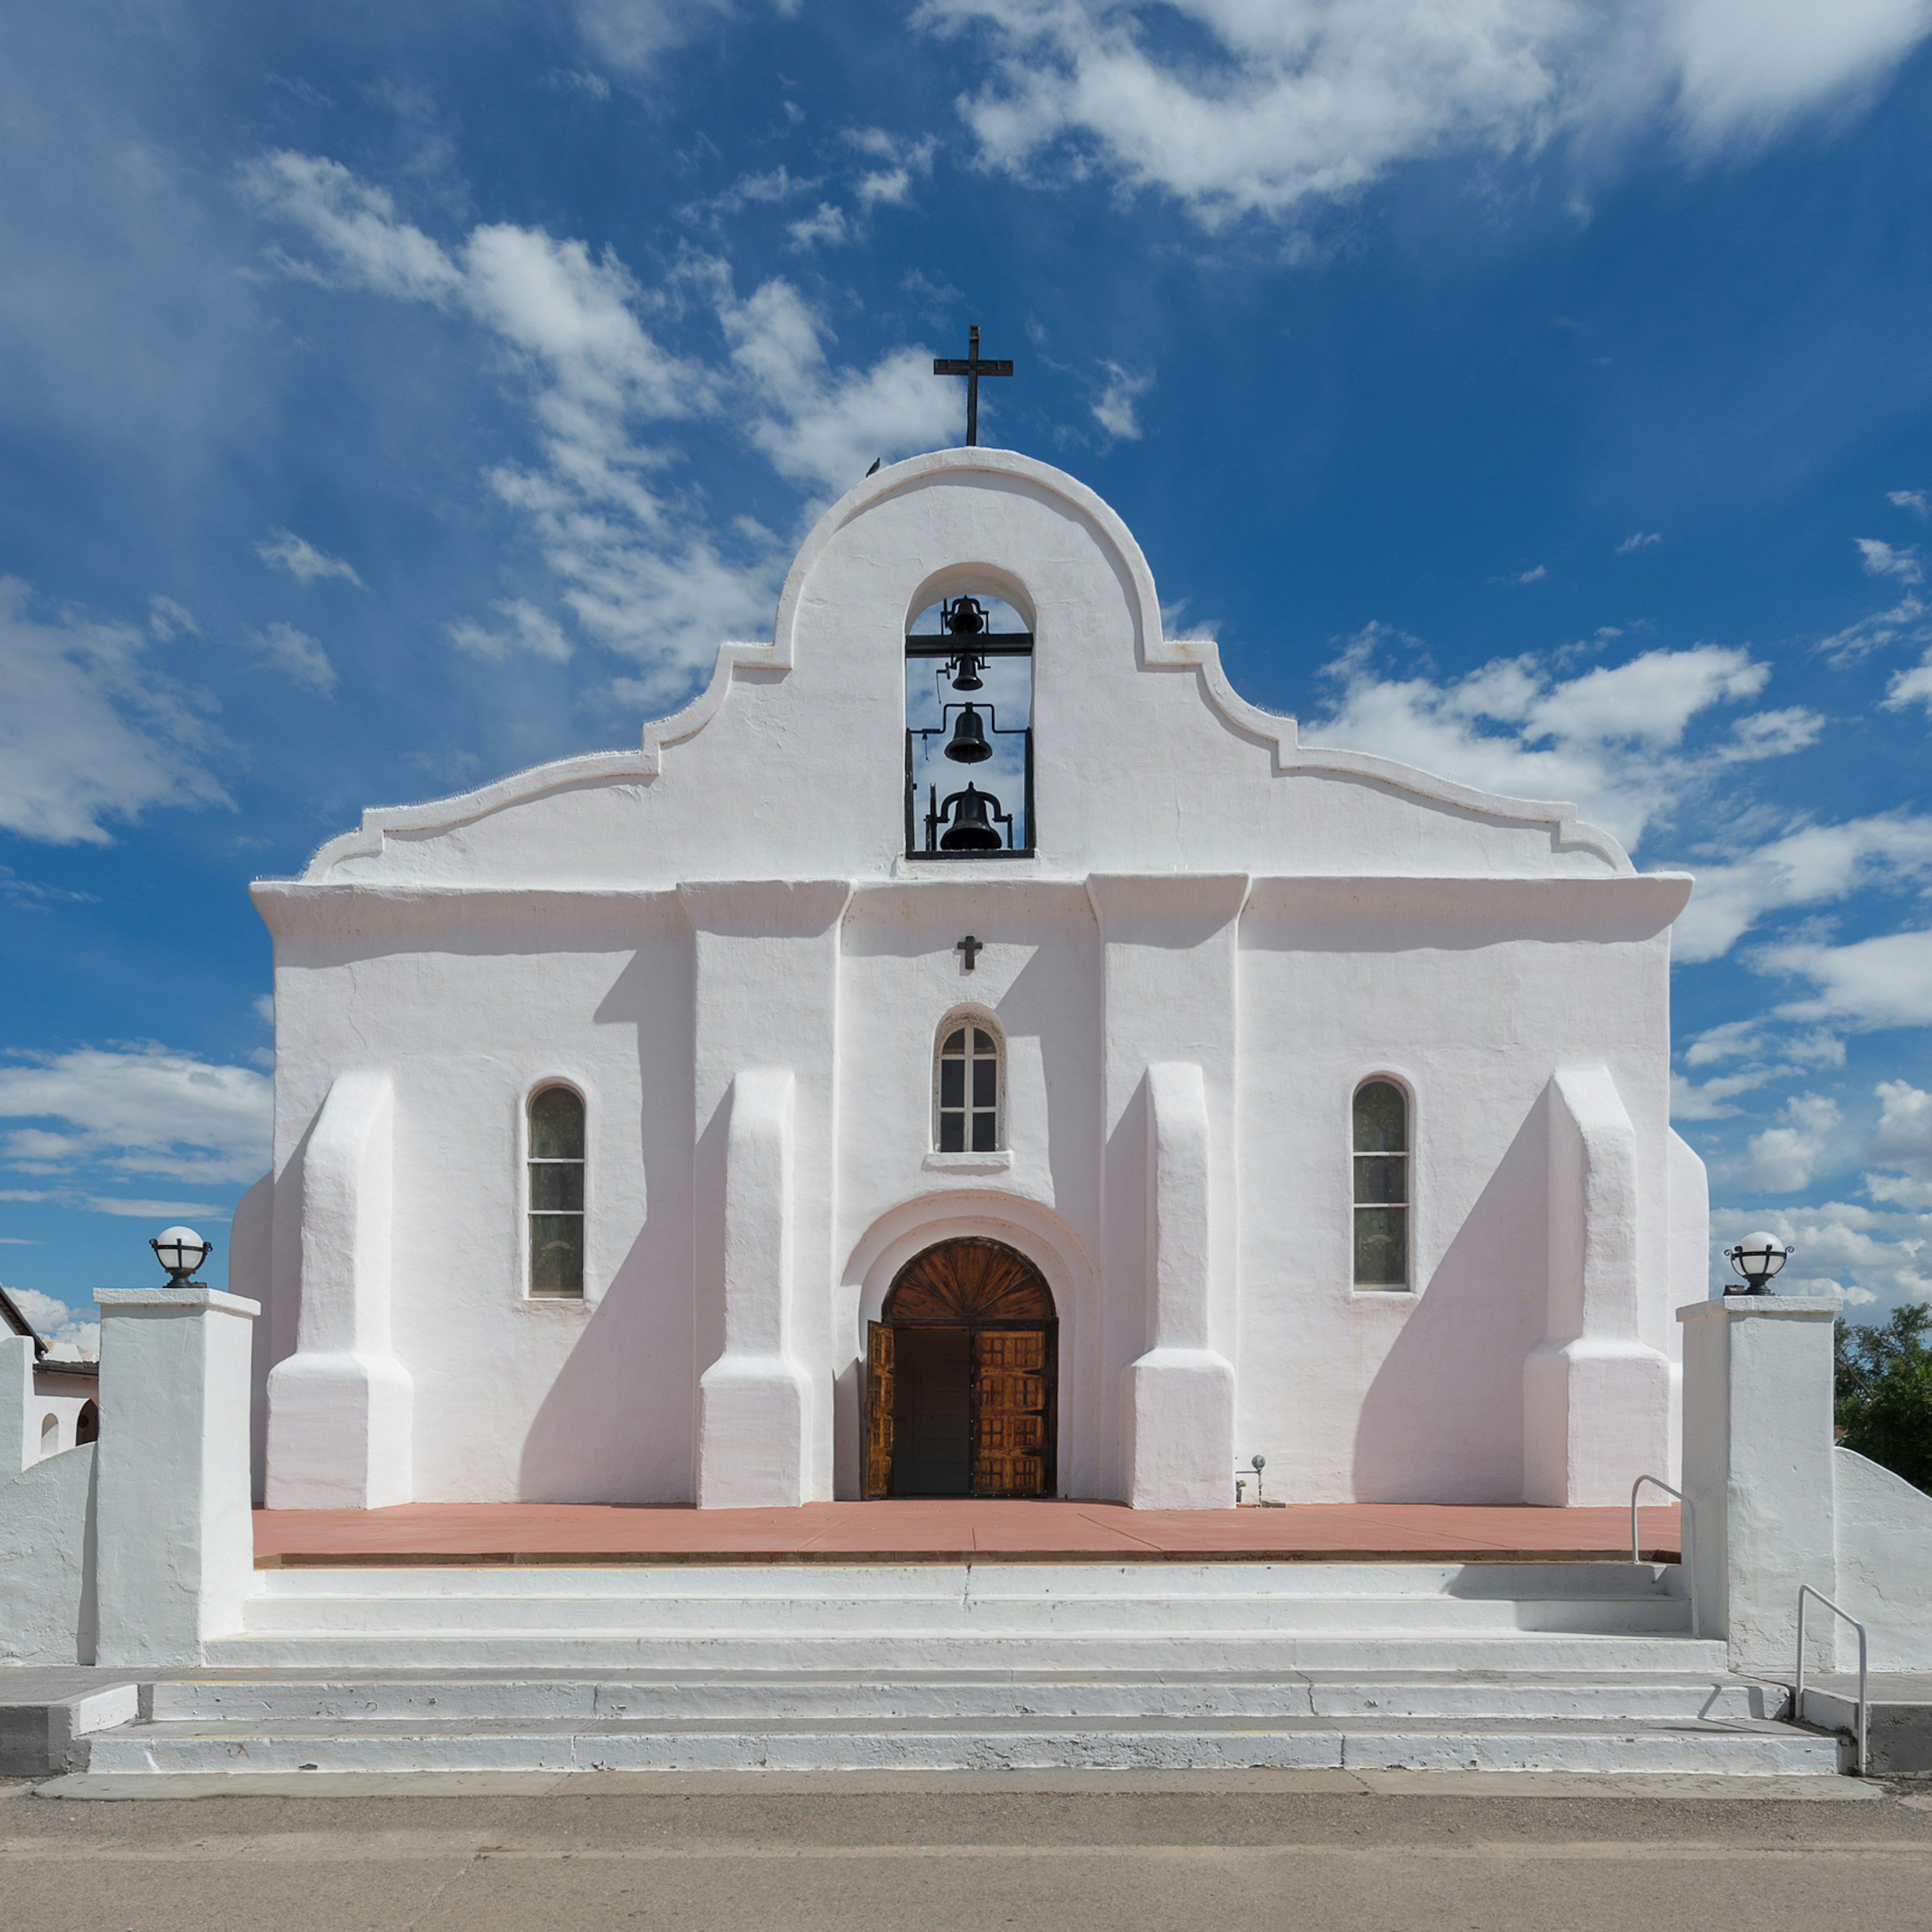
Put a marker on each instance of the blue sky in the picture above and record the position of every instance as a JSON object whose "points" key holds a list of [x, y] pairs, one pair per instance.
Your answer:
{"points": [[398, 396]]}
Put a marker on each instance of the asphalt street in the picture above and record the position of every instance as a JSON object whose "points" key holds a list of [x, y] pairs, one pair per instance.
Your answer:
{"points": [[1213, 1856]]}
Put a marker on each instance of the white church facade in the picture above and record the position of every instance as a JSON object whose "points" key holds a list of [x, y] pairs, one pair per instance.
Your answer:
{"points": [[969, 1050]]}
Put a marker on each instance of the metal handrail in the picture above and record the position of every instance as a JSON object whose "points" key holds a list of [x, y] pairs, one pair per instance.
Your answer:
{"points": [[1797, 1694], [1688, 1556]]}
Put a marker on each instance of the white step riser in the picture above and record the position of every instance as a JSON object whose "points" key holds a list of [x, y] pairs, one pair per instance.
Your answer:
{"points": [[859, 1652], [447, 1702], [1763, 1754], [665, 1618], [939, 1583]]}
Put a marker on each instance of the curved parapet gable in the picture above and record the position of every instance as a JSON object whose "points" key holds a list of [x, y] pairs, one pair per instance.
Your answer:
{"points": [[591, 768], [1004, 475]]}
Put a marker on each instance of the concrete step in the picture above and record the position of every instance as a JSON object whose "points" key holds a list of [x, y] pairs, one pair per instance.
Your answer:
{"points": [[848, 1698], [1736, 1747], [1011, 1601], [858, 1650], [1158, 1618], [987, 1583]]}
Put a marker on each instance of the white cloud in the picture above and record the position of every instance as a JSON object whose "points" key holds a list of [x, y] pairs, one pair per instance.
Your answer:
{"points": [[1904, 622], [1639, 540], [1902, 1143], [297, 654], [42, 1310], [1811, 865], [1757, 1040], [631, 34], [153, 1211], [137, 1110], [89, 730], [815, 428], [1710, 1101], [1262, 105], [283, 550], [1114, 411], [824, 223], [1917, 501], [1885, 982], [71, 1337], [1882, 560], [901, 160], [594, 85], [1535, 575], [1785, 1157], [530, 630], [643, 569], [1911, 687], [356, 223], [779, 185], [1610, 740], [168, 619]]}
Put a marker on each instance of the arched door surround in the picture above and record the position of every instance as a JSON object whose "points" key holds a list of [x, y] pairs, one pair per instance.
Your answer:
{"points": [[961, 1376]]}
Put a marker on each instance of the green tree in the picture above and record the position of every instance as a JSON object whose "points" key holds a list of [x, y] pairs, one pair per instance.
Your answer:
{"points": [[1884, 1392]]}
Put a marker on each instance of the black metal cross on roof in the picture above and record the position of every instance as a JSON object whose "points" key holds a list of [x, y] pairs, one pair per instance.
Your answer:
{"points": [[972, 948], [972, 368]]}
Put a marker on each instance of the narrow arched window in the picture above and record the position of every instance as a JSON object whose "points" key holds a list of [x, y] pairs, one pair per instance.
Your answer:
{"points": [[1382, 1185], [50, 1434], [967, 1104], [557, 1192], [87, 1425]]}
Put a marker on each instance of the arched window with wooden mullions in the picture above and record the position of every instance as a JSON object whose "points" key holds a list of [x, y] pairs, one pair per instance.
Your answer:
{"points": [[555, 1207], [967, 1115], [1381, 1185]]}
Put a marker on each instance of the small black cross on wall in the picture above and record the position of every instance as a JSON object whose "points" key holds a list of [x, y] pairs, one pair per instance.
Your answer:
{"points": [[972, 368], [972, 948]]}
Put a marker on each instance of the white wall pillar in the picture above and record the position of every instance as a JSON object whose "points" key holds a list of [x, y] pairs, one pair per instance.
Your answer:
{"points": [[174, 1554], [19, 1415], [340, 1408], [754, 1403], [1170, 947], [1180, 1414], [1758, 1468], [764, 1030], [1596, 1397]]}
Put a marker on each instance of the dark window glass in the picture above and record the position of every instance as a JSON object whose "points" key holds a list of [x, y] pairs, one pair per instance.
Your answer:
{"points": [[1381, 1185], [968, 1107], [1381, 1119], [557, 1125], [557, 1254], [556, 1193]]}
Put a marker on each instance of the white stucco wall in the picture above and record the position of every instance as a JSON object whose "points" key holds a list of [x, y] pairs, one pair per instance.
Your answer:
{"points": [[1883, 1530], [648, 926], [46, 1550]]}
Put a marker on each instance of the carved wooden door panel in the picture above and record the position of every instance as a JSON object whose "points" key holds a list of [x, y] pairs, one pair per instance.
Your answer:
{"points": [[1011, 1389], [880, 1397]]}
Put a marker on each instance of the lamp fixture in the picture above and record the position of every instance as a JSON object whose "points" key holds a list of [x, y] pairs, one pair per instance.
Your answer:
{"points": [[181, 1251], [1757, 1258]]}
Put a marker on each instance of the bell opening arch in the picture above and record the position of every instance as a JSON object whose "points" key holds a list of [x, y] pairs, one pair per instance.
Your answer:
{"points": [[969, 737]]}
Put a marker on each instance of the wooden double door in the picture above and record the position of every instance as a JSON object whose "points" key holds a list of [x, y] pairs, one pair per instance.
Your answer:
{"points": [[960, 1377]]}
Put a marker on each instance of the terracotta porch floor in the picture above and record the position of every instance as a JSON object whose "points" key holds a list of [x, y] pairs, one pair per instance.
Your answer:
{"points": [[950, 1531]]}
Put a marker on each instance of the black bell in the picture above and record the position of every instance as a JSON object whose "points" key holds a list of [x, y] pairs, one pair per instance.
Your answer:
{"points": [[964, 617], [965, 671], [971, 829], [968, 745]]}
